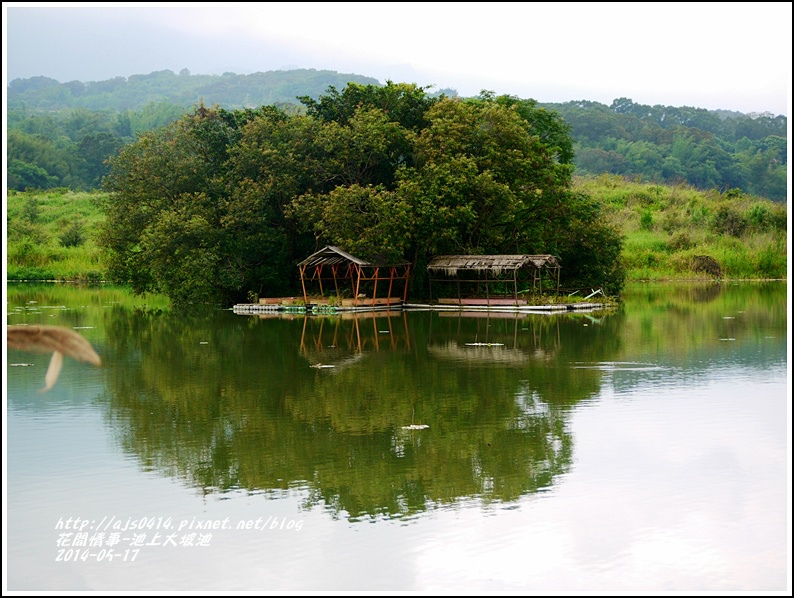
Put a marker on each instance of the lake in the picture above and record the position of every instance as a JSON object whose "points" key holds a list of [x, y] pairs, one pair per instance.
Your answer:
{"points": [[641, 449]]}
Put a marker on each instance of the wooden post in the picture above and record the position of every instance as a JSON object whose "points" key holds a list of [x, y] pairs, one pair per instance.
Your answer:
{"points": [[429, 282], [303, 335], [375, 287], [336, 333], [558, 280], [349, 276], [515, 285], [358, 286], [318, 342], [336, 284], [303, 284], [391, 280]]}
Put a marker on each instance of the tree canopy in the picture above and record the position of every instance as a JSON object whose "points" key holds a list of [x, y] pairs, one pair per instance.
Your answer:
{"points": [[665, 144], [222, 203]]}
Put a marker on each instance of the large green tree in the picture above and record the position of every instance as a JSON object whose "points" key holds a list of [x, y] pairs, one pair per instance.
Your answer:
{"points": [[219, 204], [489, 176], [165, 212]]}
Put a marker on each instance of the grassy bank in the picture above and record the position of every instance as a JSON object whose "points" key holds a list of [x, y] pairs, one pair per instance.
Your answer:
{"points": [[679, 233], [671, 233], [51, 236]]}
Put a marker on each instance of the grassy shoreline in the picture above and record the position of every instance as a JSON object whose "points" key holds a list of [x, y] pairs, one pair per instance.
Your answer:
{"points": [[671, 233]]}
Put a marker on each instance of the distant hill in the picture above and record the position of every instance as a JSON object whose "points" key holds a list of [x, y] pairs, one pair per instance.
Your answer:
{"points": [[137, 91], [59, 134]]}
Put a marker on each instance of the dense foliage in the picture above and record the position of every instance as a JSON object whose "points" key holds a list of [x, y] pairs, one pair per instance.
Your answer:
{"points": [[664, 144], [223, 203], [70, 148]]}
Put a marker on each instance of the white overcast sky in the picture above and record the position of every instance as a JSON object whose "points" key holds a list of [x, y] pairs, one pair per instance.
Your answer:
{"points": [[727, 55]]}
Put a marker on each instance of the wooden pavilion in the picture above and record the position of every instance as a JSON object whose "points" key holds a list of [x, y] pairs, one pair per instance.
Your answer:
{"points": [[496, 276], [351, 281]]}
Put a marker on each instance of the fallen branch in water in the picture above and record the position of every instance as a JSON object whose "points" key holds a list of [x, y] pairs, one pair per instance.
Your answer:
{"points": [[52, 339]]}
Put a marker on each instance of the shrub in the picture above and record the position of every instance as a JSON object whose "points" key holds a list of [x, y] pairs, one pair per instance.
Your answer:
{"points": [[646, 220], [74, 235], [707, 264], [680, 241], [31, 210], [763, 217], [771, 262], [728, 221], [23, 230], [27, 254], [697, 212], [671, 222]]}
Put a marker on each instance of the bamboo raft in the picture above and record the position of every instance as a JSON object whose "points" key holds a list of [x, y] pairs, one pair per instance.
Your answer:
{"points": [[291, 305]]}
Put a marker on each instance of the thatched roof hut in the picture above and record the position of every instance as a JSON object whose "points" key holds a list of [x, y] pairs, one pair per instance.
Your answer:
{"points": [[334, 265], [487, 269]]}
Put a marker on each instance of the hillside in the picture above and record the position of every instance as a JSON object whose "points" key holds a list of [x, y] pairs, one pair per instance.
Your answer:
{"points": [[667, 144], [137, 91]]}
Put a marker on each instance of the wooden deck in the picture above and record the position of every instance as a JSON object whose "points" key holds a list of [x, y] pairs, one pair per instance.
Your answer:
{"points": [[492, 301]]}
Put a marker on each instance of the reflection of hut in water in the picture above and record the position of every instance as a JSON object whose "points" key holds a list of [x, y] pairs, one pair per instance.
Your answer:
{"points": [[333, 338], [492, 280], [351, 281], [497, 338], [491, 353]]}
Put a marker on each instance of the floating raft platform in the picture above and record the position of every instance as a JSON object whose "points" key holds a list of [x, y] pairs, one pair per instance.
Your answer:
{"points": [[480, 309], [294, 305]]}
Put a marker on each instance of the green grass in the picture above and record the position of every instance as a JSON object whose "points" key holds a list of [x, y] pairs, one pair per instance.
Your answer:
{"points": [[668, 230], [51, 236]]}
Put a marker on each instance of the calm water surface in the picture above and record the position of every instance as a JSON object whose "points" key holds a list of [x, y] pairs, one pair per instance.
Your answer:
{"points": [[643, 449]]}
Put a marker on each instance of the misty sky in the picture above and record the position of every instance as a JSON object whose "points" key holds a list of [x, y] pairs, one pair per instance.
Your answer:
{"points": [[734, 56]]}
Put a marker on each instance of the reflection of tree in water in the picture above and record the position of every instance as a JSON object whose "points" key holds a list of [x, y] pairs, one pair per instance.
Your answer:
{"points": [[233, 403]]}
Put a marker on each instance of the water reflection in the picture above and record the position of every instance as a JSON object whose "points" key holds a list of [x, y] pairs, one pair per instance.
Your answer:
{"points": [[324, 337], [239, 403], [639, 449], [321, 403]]}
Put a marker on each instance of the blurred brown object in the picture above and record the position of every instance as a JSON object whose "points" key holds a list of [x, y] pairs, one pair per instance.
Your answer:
{"points": [[52, 339]]}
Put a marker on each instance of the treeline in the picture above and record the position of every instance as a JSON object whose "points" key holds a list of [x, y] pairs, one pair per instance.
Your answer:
{"points": [[222, 204], [61, 133], [663, 144], [48, 150], [184, 89]]}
